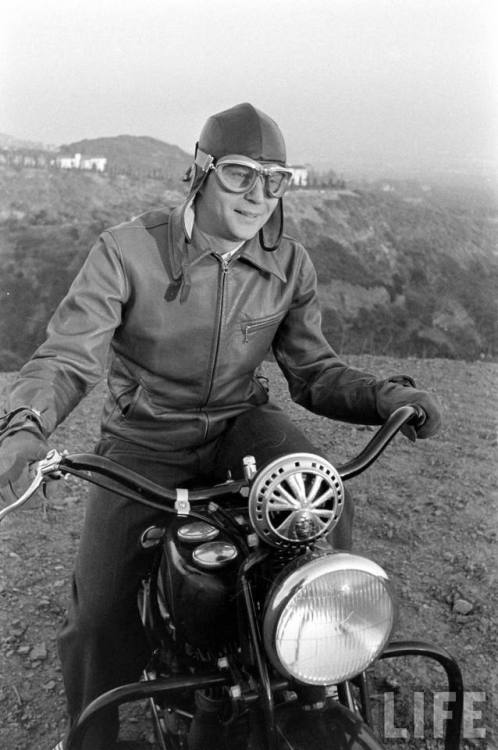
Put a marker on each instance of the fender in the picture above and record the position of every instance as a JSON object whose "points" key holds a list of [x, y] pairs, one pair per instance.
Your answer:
{"points": [[333, 727]]}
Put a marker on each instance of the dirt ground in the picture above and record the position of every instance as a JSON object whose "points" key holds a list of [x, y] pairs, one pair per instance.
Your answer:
{"points": [[427, 512]]}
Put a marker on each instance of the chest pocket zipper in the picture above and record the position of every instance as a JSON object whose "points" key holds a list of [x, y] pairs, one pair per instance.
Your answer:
{"points": [[257, 325]]}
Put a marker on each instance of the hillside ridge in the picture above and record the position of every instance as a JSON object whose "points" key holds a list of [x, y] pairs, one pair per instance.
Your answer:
{"points": [[409, 272]]}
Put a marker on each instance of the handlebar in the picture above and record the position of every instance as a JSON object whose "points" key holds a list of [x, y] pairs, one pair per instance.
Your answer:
{"points": [[46, 467], [379, 442], [107, 473]]}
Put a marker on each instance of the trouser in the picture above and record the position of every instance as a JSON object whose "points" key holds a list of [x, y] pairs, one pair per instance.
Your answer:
{"points": [[102, 643]]}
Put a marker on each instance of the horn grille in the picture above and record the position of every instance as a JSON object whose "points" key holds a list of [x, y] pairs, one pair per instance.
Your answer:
{"points": [[295, 500]]}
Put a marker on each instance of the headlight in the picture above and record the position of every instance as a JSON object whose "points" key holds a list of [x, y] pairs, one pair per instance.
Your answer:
{"points": [[329, 619]]}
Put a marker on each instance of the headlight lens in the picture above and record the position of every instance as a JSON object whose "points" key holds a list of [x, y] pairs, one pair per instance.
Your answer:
{"points": [[329, 619]]}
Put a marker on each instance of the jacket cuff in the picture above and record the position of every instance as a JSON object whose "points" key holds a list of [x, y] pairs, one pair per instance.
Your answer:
{"points": [[391, 394], [405, 380], [21, 418]]}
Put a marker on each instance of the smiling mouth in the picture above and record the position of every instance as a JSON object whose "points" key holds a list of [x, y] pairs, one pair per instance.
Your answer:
{"points": [[247, 214]]}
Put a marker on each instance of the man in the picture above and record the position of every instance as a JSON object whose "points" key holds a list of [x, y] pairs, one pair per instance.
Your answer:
{"points": [[186, 304]]}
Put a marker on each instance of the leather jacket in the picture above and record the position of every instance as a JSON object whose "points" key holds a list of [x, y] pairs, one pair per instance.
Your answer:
{"points": [[183, 333]]}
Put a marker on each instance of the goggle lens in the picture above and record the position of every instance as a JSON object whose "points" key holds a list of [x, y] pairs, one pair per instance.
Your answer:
{"points": [[240, 178], [236, 177]]}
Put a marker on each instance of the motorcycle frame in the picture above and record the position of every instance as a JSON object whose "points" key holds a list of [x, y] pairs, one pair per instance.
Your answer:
{"points": [[162, 689]]}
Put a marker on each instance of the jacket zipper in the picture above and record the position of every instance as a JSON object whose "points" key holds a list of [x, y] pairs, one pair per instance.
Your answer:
{"points": [[216, 348]]}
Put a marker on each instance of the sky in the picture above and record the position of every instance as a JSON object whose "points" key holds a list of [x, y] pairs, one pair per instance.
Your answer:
{"points": [[350, 82]]}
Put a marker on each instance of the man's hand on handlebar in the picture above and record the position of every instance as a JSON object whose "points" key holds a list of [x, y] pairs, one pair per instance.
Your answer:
{"points": [[17, 452], [400, 391]]}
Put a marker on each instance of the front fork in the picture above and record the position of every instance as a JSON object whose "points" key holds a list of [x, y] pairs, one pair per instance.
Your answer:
{"points": [[267, 687]]}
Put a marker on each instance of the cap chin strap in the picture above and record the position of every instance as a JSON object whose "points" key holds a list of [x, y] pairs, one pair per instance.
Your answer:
{"points": [[275, 237], [202, 164]]}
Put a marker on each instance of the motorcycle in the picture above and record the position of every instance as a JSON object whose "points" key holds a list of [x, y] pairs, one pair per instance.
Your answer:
{"points": [[261, 635]]}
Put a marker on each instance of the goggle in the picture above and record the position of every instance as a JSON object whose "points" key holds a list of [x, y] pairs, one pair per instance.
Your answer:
{"points": [[240, 176]]}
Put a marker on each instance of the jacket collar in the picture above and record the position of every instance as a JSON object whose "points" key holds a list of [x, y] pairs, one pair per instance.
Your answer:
{"points": [[186, 253], [266, 260]]}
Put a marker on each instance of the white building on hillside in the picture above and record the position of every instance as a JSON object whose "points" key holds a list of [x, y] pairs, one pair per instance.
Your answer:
{"points": [[91, 163], [69, 162], [96, 163], [299, 176]]}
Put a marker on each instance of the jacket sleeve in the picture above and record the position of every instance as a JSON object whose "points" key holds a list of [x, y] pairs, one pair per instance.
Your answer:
{"points": [[73, 357], [317, 378]]}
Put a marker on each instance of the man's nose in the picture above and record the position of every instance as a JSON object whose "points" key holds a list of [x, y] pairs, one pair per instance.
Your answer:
{"points": [[257, 192]]}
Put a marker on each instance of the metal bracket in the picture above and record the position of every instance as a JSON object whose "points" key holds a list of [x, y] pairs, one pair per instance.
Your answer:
{"points": [[182, 505], [203, 160]]}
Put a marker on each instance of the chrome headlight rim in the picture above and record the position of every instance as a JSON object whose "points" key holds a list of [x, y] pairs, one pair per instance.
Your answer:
{"points": [[301, 573]]}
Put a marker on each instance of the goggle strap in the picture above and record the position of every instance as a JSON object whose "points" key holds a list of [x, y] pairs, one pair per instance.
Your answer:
{"points": [[203, 160]]}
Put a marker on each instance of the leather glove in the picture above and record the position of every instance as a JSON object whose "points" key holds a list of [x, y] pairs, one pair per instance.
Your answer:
{"points": [[17, 451], [400, 391]]}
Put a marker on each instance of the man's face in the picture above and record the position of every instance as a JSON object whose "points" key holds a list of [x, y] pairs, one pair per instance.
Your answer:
{"points": [[232, 217]]}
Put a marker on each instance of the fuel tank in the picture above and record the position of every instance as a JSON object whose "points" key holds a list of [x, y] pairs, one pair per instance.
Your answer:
{"points": [[197, 580]]}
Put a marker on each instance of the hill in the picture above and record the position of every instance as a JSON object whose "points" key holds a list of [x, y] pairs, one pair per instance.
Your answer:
{"points": [[136, 156], [408, 271], [404, 273]]}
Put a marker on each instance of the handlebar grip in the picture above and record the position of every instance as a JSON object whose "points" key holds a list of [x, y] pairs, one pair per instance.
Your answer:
{"points": [[48, 467], [411, 428], [419, 418], [27, 495]]}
